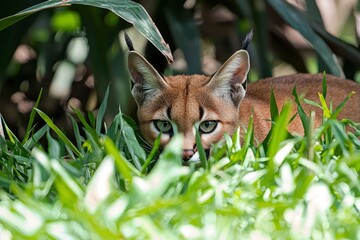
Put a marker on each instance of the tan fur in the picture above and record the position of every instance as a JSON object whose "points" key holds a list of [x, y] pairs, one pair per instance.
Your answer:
{"points": [[307, 85], [182, 99]]}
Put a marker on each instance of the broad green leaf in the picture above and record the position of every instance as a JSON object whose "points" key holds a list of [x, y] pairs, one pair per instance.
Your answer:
{"points": [[314, 12], [294, 19], [339, 47], [136, 151], [130, 11]]}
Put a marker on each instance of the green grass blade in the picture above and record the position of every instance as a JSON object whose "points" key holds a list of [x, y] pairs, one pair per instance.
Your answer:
{"points": [[326, 110], [32, 117], [200, 149], [101, 112], [87, 126], [304, 119], [340, 135], [249, 133], [313, 103], [125, 168], [31, 142], [274, 111], [341, 105], [137, 153], [61, 135], [53, 148], [279, 130], [91, 118], [77, 135], [236, 142], [10, 134], [324, 86], [150, 158]]}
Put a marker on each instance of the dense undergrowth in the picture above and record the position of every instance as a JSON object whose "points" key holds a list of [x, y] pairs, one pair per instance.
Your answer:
{"points": [[105, 186]]}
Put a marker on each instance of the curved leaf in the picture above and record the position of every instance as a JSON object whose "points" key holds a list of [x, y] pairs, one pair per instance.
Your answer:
{"points": [[130, 11], [293, 18]]}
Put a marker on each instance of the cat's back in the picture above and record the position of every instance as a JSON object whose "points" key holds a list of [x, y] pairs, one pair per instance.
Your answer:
{"points": [[307, 85]]}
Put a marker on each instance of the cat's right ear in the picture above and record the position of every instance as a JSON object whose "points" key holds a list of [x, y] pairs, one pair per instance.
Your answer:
{"points": [[147, 81], [229, 82]]}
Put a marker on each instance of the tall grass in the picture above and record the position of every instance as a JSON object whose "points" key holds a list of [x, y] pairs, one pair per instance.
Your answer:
{"points": [[104, 185]]}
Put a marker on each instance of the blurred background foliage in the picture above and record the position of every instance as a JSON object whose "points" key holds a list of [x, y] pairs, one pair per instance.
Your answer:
{"points": [[75, 52]]}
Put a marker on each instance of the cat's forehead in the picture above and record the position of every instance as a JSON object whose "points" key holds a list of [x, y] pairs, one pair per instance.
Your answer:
{"points": [[189, 92], [185, 81]]}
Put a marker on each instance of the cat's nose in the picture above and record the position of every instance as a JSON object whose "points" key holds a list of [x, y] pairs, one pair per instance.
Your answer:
{"points": [[187, 154]]}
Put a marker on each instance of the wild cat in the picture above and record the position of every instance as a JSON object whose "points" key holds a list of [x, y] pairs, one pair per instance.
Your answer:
{"points": [[222, 102]]}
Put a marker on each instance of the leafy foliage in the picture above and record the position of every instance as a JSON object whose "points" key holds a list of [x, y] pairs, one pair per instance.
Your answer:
{"points": [[72, 49], [101, 184], [302, 187]]}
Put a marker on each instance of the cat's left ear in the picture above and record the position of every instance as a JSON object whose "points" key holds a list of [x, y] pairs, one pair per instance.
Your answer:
{"points": [[229, 82]]}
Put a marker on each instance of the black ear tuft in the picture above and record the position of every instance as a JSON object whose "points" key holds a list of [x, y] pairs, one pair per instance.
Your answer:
{"points": [[128, 42], [247, 40], [244, 84]]}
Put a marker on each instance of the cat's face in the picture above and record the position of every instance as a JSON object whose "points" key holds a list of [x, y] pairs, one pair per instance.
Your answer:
{"points": [[209, 103]]}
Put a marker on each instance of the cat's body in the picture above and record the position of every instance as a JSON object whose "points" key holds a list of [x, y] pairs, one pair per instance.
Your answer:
{"points": [[308, 85], [218, 104]]}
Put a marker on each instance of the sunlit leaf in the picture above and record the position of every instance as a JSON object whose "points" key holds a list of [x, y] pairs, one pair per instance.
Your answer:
{"points": [[130, 11]]}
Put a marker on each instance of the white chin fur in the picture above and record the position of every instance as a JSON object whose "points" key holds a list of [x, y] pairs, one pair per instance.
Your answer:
{"points": [[195, 158]]}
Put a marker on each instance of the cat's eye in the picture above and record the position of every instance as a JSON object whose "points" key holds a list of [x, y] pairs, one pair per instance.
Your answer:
{"points": [[207, 126], [163, 126]]}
